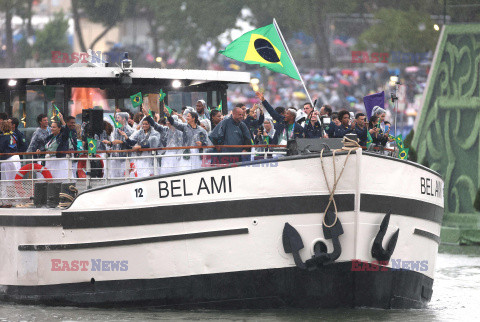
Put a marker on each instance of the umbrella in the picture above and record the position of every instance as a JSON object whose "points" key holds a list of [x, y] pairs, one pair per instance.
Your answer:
{"points": [[351, 99], [339, 43], [299, 95], [411, 69], [347, 72]]}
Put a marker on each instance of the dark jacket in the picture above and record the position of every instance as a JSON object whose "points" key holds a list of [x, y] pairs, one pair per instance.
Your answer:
{"points": [[229, 132], [361, 134], [62, 140], [330, 129], [8, 144], [253, 124], [341, 130], [280, 124], [21, 143], [313, 131]]}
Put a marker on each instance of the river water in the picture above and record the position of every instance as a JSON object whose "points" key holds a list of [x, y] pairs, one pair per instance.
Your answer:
{"points": [[456, 296]]}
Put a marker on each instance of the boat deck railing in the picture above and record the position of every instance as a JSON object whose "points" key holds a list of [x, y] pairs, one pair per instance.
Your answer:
{"points": [[88, 171]]}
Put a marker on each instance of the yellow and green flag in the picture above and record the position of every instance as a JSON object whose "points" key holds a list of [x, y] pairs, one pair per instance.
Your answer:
{"points": [[262, 46], [137, 99], [403, 154], [56, 109], [219, 108], [92, 146], [399, 142], [162, 95], [169, 109], [369, 139], [115, 123]]}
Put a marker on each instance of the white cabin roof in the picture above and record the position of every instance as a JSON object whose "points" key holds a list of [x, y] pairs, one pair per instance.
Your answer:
{"points": [[139, 73]]}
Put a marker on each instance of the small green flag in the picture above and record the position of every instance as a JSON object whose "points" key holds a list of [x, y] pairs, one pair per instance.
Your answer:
{"points": [[369, 139], [391, 137], [115, 123], [219, 108], [399, 141], [162, 95], [150, 112], [92, 146], [169, 109], [56, 108], [137, 99], [403, 154], [262, 46]]}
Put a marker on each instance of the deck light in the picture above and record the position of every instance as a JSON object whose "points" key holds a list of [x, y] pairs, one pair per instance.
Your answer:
{"points": [[176, 84], [12, 82], [127, 64]]}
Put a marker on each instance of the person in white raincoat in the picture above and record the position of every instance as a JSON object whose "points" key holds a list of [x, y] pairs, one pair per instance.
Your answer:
{"points": [[193, 135], [145, 138], [117, 167]]}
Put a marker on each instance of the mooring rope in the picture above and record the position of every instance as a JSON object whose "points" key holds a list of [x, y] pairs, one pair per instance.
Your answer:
{"points": [[349, 145]]}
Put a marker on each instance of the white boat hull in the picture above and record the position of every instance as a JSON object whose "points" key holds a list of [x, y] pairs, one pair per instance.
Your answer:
{"points": [[213, 237]]}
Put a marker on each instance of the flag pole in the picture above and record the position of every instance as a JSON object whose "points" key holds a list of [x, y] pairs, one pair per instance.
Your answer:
{"points": [[291, 58]]}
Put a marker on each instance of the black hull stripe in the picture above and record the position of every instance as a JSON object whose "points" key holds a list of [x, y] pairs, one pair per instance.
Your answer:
{"points": [[427, 234], [227, 209], [30, 221], [204, 211], [137, 241], [331, 286], [401, 206]]}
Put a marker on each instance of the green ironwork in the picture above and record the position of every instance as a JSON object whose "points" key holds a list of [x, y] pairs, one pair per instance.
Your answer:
{"points": [[448, 131]]}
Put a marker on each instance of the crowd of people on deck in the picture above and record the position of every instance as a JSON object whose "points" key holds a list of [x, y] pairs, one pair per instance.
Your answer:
{"points": [[192, 128]]}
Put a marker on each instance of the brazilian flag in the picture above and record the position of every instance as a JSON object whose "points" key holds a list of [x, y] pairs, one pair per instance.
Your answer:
{"points": [[137, 99], [219, 108], [117, 124], [399, 141], [56, 108], [262, 46], [161, 95], [92, 146], [403, 154], [369, 139], [150, 113], [169, 109]]}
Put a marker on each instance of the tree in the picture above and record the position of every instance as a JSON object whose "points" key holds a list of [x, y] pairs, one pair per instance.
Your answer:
{"points": [[107, 12], [8, 7], [78, 29], [308, 16], [397, 30], [186, 25], [53, 37]]}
